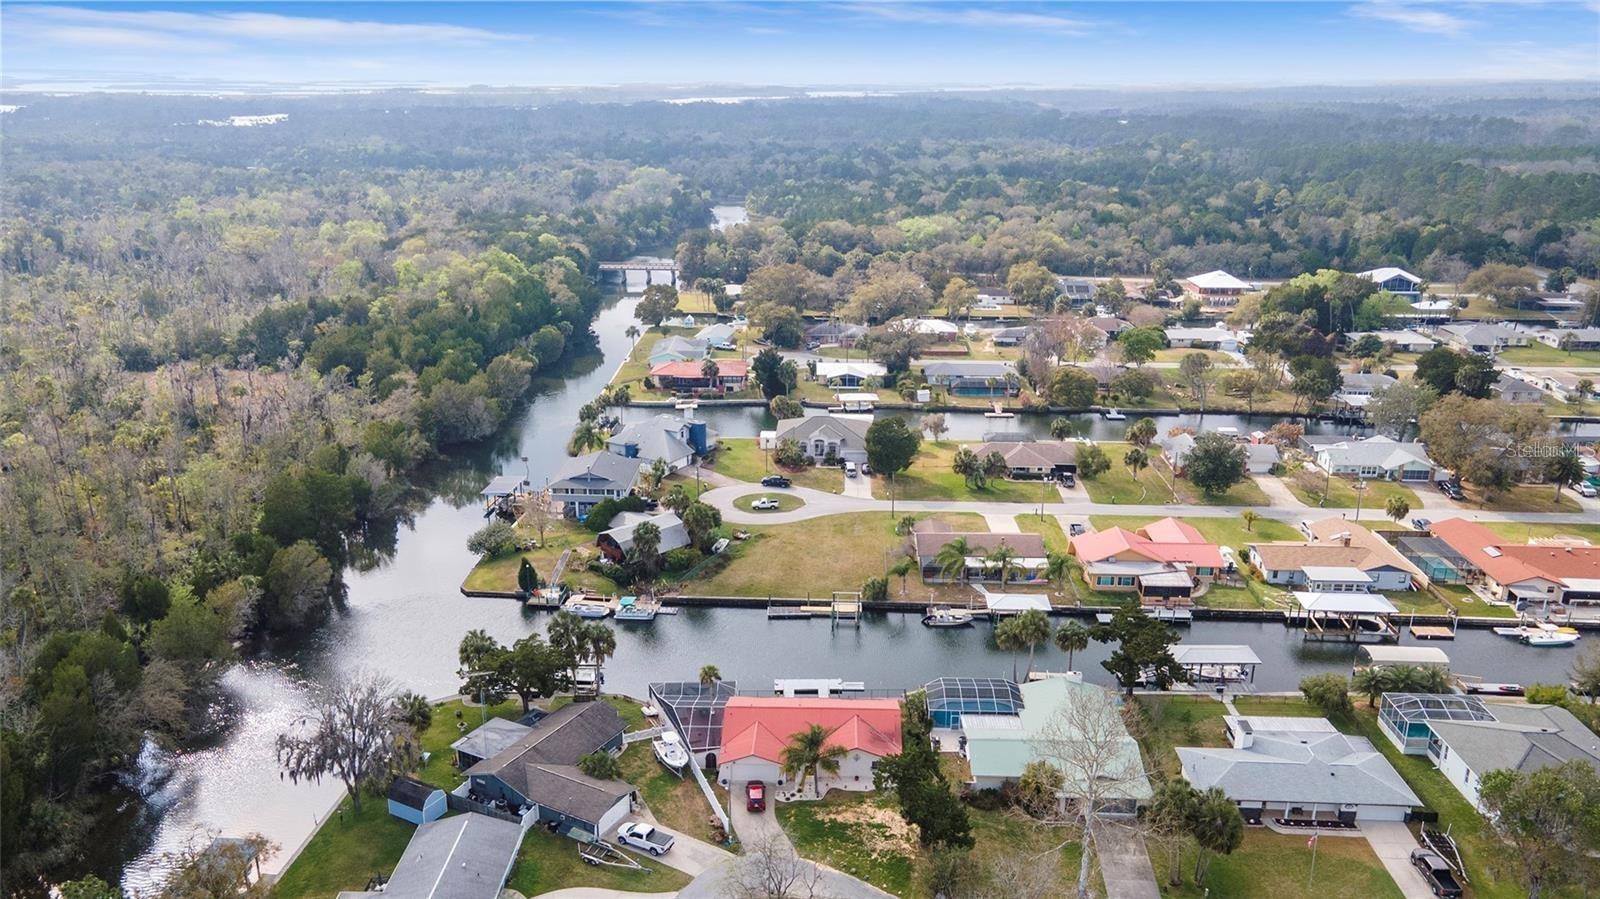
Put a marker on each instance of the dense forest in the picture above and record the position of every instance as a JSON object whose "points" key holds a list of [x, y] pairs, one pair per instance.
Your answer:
{"points": [[224, 351]]}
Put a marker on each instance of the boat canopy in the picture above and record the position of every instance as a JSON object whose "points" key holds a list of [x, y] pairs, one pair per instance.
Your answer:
{"points": [[1405, 655], [1016, 602], [1345, 603], [1214, 654], [502, 485]]}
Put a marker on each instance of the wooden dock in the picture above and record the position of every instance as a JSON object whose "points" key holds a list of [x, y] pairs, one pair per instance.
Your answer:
{"points": [[1432, 632]]}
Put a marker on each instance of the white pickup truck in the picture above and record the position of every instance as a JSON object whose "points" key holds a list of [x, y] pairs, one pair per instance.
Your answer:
{"points": [[645, 837]]}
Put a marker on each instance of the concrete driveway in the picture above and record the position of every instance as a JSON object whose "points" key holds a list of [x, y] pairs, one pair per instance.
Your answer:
{"points": [[1392, 842], [1124, 862], [690, 855], [754, 827]]}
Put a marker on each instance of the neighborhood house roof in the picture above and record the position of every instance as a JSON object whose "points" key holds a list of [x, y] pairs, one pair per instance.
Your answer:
{"points": [[968, 369], [1389, 272], [560, 738], [1218, 280], [1308, 556], [1510, 563], [1214, 335], [690, 369], [1404, 338], [1011, 603], [657, 437], [716, 334], [681, 347], [491, 738], [1304, 765], [1345, 573], [829, 370], [612, 467], [673, 533], [933, 326], [1377, 452], [1168, 540], [838, 427], [568, 790], [761, 726], [1479, 334], [1029, 454], [1406, 655], [410, 792], [460, 857], [1522, 738]]}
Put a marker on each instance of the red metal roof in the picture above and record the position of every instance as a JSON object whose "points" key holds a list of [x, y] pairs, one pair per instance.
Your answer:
{"points": [[1510, 563], [761, 726], [689, 369], [1167, 540]]}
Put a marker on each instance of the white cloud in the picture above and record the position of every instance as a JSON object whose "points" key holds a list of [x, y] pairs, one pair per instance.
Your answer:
{"points": [[160, 29], [1528, 61], [971, 17], [1413, 16]]}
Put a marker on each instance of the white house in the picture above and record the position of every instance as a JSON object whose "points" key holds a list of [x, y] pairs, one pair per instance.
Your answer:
{"points": [[1466, 738], [1301, 769], [842, 437], [1395, 280], [1359, 387], [1340, 557], [1406, 341], [1376, 457], [1218, 288], [1478, 337], [1213, 338], [1516, 390], [937, 328], [1571, 339], [850, 374]]}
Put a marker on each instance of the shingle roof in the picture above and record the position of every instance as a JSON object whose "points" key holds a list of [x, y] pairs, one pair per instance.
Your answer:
{"points": [[657, 437], [837, 426], [690, 369], [1509, 563], [1299, 766], [568, 790], [968, 369], [410, 792], [1381, 452], [1522, 737], [1030, 454], [682, 347], [613, 467], [493, 736], [673, 532], [561, 738], [460, 857]]}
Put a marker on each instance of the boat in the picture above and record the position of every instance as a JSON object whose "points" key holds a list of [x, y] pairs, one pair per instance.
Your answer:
{"points": [[629, 608], [669, 751], [1488, 689], [1114, 414], [1541, 633], [586, 607], [944, 616], [999, 412], [649, 710]]}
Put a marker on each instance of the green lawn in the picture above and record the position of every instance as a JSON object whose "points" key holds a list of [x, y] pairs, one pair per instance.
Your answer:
{"points": [[1118, 485], [1165, 722], [499, 574], [1273, 865], [786, 502], [675, 801], [1048, 527], [931, 477], [1465, 602], [1219, 359], [446, 728], [1307, 485], [1524, 498], [547, 862], [1549, 356], [861, 834], [696, 302], [1523, 532], [1277, 706], [742, 459]]}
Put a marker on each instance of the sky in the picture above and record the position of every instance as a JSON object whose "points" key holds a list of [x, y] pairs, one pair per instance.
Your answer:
{"points": [[54, 45]]}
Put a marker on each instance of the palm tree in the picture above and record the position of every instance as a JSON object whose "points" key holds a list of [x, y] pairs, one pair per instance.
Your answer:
{"points": [[1249, 517], [1028, 629], [902, 569], [1373, 682], [709, 674], [1217, 827], [1071, 638], [1396, 507], [600, 643], [1060, 428], [1137, 460], [952, 559], [808, 752], [565, 634], [1058, 568], [585, 437], [1004, 560], [709, 371], [632, 332]]}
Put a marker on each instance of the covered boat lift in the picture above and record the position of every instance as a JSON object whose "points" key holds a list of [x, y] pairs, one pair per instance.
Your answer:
{"points": [[1217, 663], [1348, 617], [854, 401], [1415, 656], [1004, 605]]}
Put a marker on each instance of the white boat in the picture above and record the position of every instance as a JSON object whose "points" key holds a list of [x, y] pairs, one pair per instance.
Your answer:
{"points": [[1541, 633], [944, 616], [586, 608], [1114, 415], [669, 751]]}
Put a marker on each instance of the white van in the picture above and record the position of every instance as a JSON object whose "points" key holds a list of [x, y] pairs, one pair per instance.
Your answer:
{"points": [[849, 469]]}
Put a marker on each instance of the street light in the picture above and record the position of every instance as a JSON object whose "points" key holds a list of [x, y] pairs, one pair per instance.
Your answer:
{"points": [[1360, 487]]}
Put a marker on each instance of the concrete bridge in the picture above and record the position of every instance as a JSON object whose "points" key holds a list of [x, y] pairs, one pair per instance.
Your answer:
{"points": [[648, 267]]}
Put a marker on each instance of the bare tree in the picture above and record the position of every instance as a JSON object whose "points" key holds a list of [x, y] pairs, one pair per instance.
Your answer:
{"points": [[1088, 741], [770, 869], [540, 512], [353, 733]]}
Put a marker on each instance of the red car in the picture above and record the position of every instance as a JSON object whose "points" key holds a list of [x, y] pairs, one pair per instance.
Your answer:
{"points": [[755, 796]]}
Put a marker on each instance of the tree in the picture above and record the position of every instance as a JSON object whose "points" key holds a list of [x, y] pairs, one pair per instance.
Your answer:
{"points": [[1073, 388], [1315, 378], [1142, 433], [1060, 428], [775, 375], [1144, 650], [192, 636], [768, 868], [958, 296], [895, 345], [891, 446], [1136, 461], [967, 464], [788, 284], [540, 513], [783, 407], [1031, 284], [1396, 409], [934, 424], [902, 569], [1581, 393], [659, 301], [875, 589], [1548, 817], [1039, 788], [1563, 468], [497, 538], [1330, 693], [145, 598], [1476, 375], [220, 868], [1436, 368], [531, 668], [952, 559], [1486, 442], [415, 710], [701, 521], [1072, 638], [781, 325], [1196, 369], [887, 294], [1028, 629], [1169, 815], [351, 732], [809, 753], [1092, 462], [600, 765], [296, 584], [1585, 674], [1508, 285], [1374, 681], [1366, 346], [1217, 828], [1396, 507], [646, 551], [1249, 517], [1215, 463], [1139, 345], [709, 371], [709, 674], [597, 644]]}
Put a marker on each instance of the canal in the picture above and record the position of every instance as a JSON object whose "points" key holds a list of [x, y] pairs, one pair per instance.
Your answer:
{"points": [[404, 617]]}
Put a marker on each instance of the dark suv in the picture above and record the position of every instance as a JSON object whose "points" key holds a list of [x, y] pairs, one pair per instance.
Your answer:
{"points": [[775, 480], [1437, 872]]}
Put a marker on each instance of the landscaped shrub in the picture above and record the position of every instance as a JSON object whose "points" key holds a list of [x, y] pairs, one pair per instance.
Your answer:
{"points": [[496, 538], [603, 511], [876, 589], [681, 559], [790, 454], [614, 573]]}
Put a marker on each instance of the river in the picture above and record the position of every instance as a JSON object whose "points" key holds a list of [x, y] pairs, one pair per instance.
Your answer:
{"points": [[404, 617]]}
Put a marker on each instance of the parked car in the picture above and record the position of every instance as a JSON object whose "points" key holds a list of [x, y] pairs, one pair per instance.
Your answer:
{"points": [[850, 469], [1437, 872], [1453, 491], [1075, 528], [776, 480], [1584, 488], [645, 837], [1068, 479], [1420, 524], [866, 468], [755, 796], [764, 504]]}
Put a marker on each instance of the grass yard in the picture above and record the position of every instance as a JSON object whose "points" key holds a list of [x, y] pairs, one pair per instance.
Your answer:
{"points": [[1465, 602], [1165, 722], [1307, 486], [548, 862], [1277, 706], [1272, 865], [1118, 486], [499, 574], [815, 557], [931, 477], [1048, 527], [441, 769], [347, 851], [696, 302], [740, 458], [676, 801], [1253, 595], [786, 502], [1217, 358], [861, 834], [1524, 498], [1523, 531], [1549, 356]]}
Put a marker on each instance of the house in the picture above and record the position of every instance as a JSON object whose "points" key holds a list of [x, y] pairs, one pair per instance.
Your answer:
{"points": [[850, 374], [696, 711], [412, 800], [1075, 290], [1466, 738], [1407, 341], [1144, 561], [1028, 564], [1358, 388], [720, 336], [1515, 390], [991, 297], [842, 438], [1376, 457], [459, 857], [1299, 769], [673, 440], [1570, 339], [936, 328], [949, 698], [1009, 336], [1369, 562], [1478, 337], [1052, 459], [836, 333], [1175, 448], [1397, 281], [617, 542], [757, 728], [688, 374], [1559, 304], [1218, 287], [1109, 326], [1533, 576], [1000, 746], [538, 774], [585, 480], [1261, 458], [673, 348], [1212, 338], [488, 740], [973, 378], [1568, 385]]}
